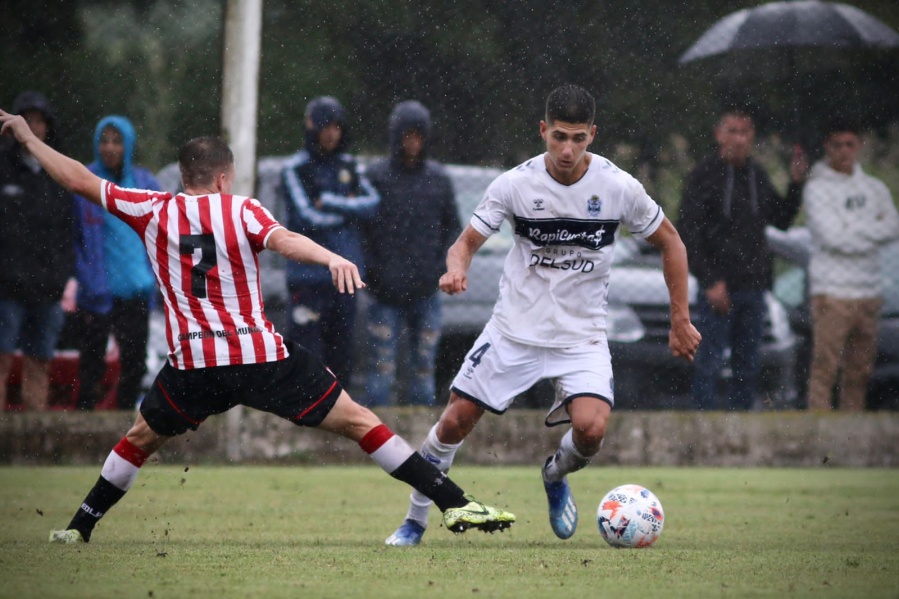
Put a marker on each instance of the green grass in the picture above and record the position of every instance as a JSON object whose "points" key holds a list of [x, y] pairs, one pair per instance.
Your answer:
{"points": [[318, 532]]}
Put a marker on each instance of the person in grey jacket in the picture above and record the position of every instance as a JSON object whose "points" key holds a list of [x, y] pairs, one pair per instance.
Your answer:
{"points": [[406, 244], [850, 214]]}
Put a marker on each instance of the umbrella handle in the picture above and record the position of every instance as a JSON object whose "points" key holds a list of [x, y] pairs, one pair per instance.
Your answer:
{"points": [[799, 164]]}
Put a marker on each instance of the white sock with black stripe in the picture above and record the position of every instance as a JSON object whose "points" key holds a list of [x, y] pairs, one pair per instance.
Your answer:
{"points": [[566, 460], [118, 474], [442, 456], [399, 460]]}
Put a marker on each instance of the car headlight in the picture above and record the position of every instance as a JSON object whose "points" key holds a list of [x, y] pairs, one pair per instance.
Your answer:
{"points": [[623, 324]]}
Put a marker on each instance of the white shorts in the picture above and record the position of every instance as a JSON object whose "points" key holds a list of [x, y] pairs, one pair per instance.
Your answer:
{"points": [[497, 369]]}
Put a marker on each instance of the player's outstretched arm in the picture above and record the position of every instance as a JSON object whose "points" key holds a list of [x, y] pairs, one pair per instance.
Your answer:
{"points": [[69, 173], [684, 338], [458, 259], [300, 248]]}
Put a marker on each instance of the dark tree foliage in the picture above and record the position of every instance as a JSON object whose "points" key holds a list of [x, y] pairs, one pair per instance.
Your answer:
{"points": [[138, 58], [37, 37], [484, 68]]}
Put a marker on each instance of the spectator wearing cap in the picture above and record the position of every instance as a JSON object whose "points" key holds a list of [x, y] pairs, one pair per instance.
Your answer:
{"points": [[326, 198], [418, 206], [37, 257]]}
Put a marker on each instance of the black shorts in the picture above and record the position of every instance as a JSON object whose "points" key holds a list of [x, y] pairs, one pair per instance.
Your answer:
{"points": [[299, 388]]}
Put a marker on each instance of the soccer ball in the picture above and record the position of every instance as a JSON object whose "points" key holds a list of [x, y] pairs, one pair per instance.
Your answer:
{"points": [[630, 516]]}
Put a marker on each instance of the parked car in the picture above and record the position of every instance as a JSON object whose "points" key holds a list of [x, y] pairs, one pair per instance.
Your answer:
{"points": [[647, 376], [790, 287]]}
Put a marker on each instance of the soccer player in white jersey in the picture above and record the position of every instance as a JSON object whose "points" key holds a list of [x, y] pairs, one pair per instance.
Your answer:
{"points": [[565, 208], [202, 245]]}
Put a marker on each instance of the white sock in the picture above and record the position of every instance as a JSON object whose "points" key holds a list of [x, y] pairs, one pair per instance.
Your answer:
{"points": [[387, 449], [441, 455], [123, 464], [566, 460]]}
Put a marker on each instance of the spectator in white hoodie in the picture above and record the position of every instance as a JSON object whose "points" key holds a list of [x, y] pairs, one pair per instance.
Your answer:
{"points": [[850, 214]]}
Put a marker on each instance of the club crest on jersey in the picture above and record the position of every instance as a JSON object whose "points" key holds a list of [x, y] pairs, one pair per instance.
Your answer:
{"points": [[344, 176], [594, 205], [538, 204]]}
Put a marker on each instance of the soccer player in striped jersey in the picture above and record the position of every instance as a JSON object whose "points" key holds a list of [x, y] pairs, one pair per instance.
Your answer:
{"points": [[565, 207], [202, 245]]}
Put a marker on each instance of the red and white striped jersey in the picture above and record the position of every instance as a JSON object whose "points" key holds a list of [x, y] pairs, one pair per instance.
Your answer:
{"points": [[203, 250]]}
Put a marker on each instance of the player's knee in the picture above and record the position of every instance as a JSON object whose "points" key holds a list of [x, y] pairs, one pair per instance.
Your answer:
{"points": [[588, 436], [457, 421], [143, 437], [588, 444], [365, 418], [450, 431], [355, 415]]}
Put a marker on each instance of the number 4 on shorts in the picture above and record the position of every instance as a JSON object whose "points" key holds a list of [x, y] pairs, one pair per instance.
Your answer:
{"points": [[477, 354]]}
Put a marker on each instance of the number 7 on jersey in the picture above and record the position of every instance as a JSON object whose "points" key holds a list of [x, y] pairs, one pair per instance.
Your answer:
{"points": [[188, 244]]}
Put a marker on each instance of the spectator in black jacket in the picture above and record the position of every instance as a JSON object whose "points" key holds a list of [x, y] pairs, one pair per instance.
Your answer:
{"points": [[727, 201], [326, 199], [37, 257], [406, 245]]}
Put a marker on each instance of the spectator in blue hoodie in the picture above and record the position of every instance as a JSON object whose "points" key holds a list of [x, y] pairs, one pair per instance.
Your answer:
{"points": [[417, 204], [116, 285], [87, 328], [326, 198]]}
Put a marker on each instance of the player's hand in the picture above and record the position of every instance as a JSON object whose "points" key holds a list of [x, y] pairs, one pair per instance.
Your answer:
{"points": [[15, 125], [69, 301], [345, 275], [453, 282], [684, 340]]}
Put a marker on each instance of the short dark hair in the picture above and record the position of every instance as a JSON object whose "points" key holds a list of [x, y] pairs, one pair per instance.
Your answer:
{"points": [[202, 158], [736, 111], [570, 103], [842, 124]]}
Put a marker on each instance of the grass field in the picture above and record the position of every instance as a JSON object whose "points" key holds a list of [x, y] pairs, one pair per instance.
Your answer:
{"points": [[306, 532]]}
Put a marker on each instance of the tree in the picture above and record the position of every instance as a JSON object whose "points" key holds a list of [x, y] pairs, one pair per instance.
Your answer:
{"points": [[484, 68]]}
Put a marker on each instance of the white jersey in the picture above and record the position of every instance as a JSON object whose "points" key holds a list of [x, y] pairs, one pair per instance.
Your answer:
{"points": [[849, 217], [554, 288]]}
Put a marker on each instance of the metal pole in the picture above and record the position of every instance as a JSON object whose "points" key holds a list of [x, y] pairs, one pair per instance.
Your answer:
{"points": [[240, 91]]}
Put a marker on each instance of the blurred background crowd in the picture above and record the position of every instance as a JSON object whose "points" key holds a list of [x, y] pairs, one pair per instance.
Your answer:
{"points": [[478, 73]]}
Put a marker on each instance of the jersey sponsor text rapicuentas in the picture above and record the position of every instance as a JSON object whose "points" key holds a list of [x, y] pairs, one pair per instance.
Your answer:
{"points": [[555, 283]]}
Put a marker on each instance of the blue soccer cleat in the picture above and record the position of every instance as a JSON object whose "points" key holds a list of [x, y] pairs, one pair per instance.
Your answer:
{"points": [[408, 534], [562, 509]]}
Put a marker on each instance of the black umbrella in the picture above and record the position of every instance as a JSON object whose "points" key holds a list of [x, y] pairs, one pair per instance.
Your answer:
{"points": [[783, 28], [805, 23]]}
